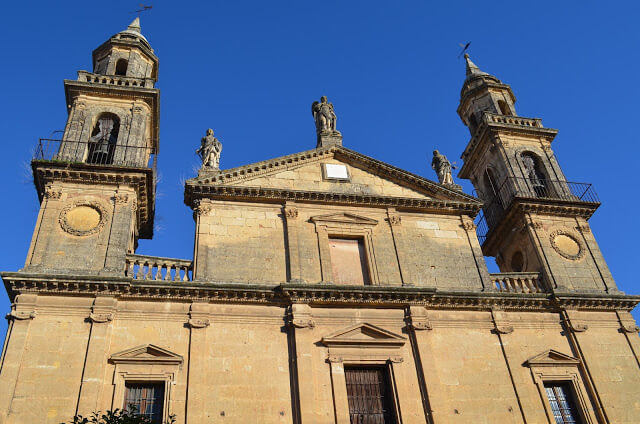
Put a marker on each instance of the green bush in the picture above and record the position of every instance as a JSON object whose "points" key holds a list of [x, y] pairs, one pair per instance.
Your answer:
{"points": [[117, 416]]}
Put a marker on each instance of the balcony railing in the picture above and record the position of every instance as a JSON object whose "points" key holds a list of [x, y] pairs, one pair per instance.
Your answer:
{"points": [[153, 268], [526, 188], [517, 282], [117, 80], [95, 153]]}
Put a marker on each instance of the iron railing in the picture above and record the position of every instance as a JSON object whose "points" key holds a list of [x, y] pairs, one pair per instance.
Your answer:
{"points": [[533, 189], [95, 153]]}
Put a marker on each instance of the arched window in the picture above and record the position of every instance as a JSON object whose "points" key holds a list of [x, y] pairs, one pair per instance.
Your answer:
{"points": [[534, 174], [504, 107], [121, 67], [103, 139], [517, 262], [473, 122]]}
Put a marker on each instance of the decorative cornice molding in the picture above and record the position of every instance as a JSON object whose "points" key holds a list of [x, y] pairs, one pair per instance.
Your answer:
{"points": [[222, 192], [320, 294]]}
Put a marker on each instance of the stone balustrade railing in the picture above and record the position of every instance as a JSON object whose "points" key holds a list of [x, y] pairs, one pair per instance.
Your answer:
{"points": [[517, 282], [117, 80], [513, 120], [153, 268]]}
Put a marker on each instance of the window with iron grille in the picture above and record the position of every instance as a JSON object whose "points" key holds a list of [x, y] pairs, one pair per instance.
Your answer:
{"points": [[146, 398], [370, 395], [560, 397]]}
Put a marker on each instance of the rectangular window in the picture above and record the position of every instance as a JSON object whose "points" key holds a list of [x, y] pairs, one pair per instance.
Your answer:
{"points": [[562, 405], [348, 261], [370, 396], [146, 398]]}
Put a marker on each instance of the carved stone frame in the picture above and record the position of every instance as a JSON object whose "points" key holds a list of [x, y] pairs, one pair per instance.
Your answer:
{"points": [[573, 236], [97, 206], [382, 349], [162, 368], [346, 225], [553, 366]]}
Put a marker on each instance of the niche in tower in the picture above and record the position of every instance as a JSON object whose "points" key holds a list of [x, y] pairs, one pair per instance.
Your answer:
{"points": [[121, 67], [103, 139], [534, 175], [504, 107]]}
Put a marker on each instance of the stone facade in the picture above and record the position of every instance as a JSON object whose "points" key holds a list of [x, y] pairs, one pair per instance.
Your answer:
{"points": [[256, 328]]}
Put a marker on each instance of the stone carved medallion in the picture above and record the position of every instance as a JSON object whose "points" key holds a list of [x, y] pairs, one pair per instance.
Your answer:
{"points": [[567, 245], [83, 218]]}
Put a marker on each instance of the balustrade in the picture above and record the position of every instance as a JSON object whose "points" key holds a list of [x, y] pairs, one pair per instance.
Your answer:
{"points": [[517, 282], [118, 80], [153, 268]]}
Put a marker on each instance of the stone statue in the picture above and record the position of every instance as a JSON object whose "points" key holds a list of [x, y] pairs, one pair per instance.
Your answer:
{"points": [[209, 151], [324, 115], [443, 167]]}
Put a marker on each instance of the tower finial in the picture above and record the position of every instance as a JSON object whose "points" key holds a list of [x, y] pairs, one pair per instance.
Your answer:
{"points": [[134, 25], [472, 68]]}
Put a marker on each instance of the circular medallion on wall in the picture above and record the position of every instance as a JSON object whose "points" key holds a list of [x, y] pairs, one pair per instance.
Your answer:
{"points": [[83, 218], [567, 245]]}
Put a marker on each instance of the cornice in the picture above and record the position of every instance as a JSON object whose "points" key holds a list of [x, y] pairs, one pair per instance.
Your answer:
{"points": [[142, 179], [313, 294], [280, 164], [224, 192]]}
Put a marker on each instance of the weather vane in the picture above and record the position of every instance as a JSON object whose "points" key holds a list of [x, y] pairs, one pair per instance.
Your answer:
{"points": [[464, 48], [143, 8]]}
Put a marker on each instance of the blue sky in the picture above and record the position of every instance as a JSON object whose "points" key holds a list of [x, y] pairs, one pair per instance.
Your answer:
{"points": [[250, 70]]}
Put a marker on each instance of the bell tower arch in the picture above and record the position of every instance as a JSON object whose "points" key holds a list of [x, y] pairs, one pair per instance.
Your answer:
{"points": [[533, 218], [96, 184]]}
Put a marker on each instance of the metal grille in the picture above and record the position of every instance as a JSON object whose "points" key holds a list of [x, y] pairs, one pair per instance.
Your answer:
{"points": [[562, 406], [370, 396], [147, 399]]}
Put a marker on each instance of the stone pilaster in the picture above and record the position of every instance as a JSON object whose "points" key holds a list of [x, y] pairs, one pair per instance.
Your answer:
{"points": [[120, 233], [301, 324], [198, 323], [395, 223], [22, 313], [101, 318], [293, 251]]}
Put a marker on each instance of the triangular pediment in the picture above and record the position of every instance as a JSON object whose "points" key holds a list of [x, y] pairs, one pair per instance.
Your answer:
{"points": [[146, 353], [303, 172], [551, 358], [363, 334], [344, 218]]}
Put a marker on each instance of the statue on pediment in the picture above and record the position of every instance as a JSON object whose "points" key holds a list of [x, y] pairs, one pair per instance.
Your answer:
{"points": [[210, 150], [324, 115], [443, 167]]}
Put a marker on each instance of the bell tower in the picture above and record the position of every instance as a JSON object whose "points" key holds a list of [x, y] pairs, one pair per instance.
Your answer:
{"points": [[96, 185], [533, 219]]}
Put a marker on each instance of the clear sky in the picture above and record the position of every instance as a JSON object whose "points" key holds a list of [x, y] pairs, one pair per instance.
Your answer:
{"points": [[251, 69]]}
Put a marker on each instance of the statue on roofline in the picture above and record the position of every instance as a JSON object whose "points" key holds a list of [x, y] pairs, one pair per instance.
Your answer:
{"points": [[324, 115], [443, 167], [209, 151]]}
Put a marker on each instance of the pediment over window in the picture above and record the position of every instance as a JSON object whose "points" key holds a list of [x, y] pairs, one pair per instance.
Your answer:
{"points": [[146, 354], [363, 334], [344, 218], [551, 358]]}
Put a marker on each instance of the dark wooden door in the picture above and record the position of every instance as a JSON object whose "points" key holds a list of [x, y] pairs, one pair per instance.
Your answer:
{"points": [[370, 396]]}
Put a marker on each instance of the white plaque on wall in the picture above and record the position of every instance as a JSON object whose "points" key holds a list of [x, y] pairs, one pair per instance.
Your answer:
{"points": [[336, 171]]}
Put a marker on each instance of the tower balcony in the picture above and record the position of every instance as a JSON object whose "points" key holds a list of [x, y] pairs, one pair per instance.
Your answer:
{"points": [[115, 80], [94, 153], [553, 196]]}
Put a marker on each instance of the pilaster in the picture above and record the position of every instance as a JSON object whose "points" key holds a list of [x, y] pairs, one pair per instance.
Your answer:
{"points": [[395, 224], [293, 251], [301, 324], [197, 375], [23, 311], [93, 375]]}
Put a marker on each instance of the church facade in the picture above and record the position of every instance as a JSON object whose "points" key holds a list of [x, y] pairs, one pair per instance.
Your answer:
{"points": [[325, 286]]}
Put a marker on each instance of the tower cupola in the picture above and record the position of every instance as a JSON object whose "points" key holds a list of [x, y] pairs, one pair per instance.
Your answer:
{"points": [[482, 92], [127, 54]]}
